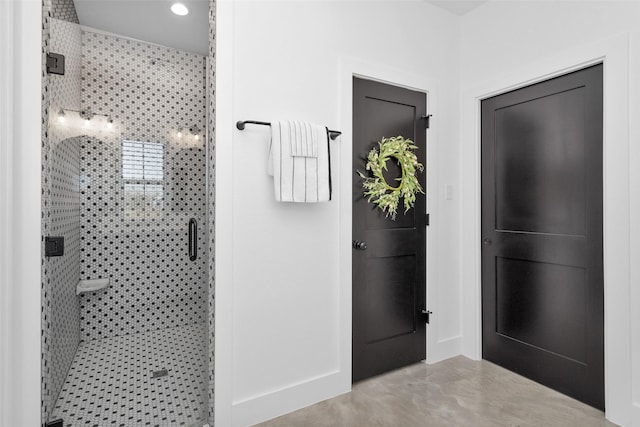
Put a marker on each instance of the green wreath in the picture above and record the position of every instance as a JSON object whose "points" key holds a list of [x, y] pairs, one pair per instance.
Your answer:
{"points": [[378, 191]]}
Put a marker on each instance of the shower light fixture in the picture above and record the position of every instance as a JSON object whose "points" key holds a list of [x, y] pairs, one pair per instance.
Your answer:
{"points": [[179, 9], [195, 131], [85, 115], [179, 134]]}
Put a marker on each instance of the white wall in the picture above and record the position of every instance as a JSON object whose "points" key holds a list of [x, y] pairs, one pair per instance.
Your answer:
{"points": [[290, 315], [20, 118], [506, 44]]}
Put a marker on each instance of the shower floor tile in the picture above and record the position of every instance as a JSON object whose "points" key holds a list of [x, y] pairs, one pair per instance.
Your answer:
{"points": [[111, 381]]}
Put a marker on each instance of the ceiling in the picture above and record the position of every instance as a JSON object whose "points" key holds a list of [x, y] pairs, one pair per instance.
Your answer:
{"points": [[151, 21], [458, 7]]}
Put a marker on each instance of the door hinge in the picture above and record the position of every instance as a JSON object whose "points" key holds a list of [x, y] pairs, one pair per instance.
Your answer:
{"points": [[426, 314], [427, 120], [427, 219], [55, 63], [53, 246]]}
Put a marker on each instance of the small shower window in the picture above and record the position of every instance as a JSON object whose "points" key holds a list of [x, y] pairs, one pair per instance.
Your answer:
{"points": [[143, 178]]}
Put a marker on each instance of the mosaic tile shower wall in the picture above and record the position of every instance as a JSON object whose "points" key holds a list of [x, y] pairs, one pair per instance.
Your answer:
{"points": [[64, 10], [141, 182], [61, 216]]}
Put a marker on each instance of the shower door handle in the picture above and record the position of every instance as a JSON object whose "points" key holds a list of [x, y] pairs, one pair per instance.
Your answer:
{"points": [[193, 239]]}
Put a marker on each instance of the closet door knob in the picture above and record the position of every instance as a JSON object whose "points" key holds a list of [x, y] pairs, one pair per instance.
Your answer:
{"points": [[361, 246], [486, 241]]}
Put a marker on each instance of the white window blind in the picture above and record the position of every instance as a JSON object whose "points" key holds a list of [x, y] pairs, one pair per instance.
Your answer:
{"points": [[142, 161], [143, 174]]}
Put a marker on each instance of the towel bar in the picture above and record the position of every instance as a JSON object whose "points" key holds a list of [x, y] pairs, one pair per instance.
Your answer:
{"points": [[333, 134]]}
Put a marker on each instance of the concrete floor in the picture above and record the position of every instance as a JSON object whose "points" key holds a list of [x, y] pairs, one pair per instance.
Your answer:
{"points": [[455, 392]]}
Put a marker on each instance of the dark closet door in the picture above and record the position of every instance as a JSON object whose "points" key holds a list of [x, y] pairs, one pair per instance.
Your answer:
{"points": [[542, 267], [389, 276]]}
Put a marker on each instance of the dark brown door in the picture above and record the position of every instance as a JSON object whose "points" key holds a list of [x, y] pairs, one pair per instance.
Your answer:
{"points": [[389, 276], [542, 268]]}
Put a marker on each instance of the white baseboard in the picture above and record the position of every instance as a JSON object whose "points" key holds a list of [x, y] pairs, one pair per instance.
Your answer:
{"points": [[635, 415], [444, 349], [283, 401]]}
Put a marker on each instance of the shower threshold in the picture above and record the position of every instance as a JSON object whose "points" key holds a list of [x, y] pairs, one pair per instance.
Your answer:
{"points": [[111, 381]]}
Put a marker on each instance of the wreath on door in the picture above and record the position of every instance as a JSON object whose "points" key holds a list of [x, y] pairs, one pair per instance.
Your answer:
{"points": [[377, 190]]}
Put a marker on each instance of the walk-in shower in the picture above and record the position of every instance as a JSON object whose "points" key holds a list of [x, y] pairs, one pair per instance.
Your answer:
{"points": [[126, 324]]}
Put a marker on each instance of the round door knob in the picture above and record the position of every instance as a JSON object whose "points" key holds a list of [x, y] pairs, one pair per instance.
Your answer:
{"points": [[486, 241], [361, 246]]}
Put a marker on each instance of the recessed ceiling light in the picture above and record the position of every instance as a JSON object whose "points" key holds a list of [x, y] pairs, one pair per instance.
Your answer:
{"points": [[179, 9]]}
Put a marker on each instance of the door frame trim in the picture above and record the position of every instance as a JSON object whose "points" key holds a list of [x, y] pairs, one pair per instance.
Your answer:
{"points": [[223, 196], [438, 348], [20, 198], [614, 54]]}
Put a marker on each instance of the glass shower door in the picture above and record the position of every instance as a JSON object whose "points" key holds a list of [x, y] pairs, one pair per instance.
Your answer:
{"points": [[130, 180]]}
